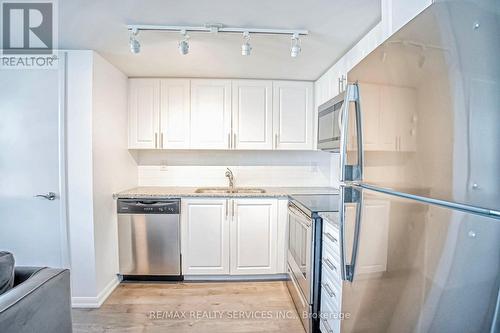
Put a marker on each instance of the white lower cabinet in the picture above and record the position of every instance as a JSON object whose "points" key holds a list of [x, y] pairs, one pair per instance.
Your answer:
{"points": [[253, 232], [230, 236], [205, 236]]}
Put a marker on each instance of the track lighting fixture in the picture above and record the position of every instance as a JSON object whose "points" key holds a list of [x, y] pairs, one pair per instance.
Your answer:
{"points": [[295, 46], [246, 48], [215, 28], [184, 44], [135, 46]]}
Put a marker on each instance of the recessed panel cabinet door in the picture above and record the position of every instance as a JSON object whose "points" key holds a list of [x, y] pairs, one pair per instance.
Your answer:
{"points": [[252, 114], [293, 115], [373, 238], [205, 236], [210, 114], [174, 114], [144, 113], [254, 236]]}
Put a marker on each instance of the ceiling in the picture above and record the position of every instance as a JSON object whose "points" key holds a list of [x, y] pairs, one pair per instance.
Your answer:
{"points": [[334, 26]]}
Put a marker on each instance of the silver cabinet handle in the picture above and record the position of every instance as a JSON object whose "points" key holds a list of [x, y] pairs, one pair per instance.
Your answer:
{"points": [[329, 290], [234, 141], [228, 140], [227, 204], [331, 237], [276, 141], [156, 140], [161, 140], [330, 264], [49, 196], [232, 208], [328, 328]]}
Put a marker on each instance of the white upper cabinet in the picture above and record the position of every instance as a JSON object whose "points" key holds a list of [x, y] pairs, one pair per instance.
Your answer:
{"points": [[174, 114], [252, 114], [398, 120], [221, 114], [293, 115], [389, 118], [205, 236], [144, 113], [254, 236], [210, 114], [371, 115]]}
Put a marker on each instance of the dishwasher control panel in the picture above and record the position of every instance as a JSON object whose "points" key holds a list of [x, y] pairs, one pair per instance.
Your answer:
{"points": [[149, 206]]}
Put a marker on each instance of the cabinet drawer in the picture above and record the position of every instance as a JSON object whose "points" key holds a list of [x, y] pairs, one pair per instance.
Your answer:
{"points": [[331, 264], [329, 322], [325, 326], [331, 238], [330, 290]]}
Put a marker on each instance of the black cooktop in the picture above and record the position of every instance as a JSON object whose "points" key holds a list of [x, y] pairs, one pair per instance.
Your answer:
{"points": [[317, 203]]}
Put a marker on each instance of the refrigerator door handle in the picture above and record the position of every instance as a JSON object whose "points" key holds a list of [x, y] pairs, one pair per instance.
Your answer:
{"points": [[351, 172], [350, 195]]}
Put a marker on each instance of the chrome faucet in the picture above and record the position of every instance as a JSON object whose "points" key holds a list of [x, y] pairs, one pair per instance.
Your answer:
{"points": [[230, 176]]}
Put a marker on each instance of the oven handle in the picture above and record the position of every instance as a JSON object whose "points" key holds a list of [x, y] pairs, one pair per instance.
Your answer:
{"points": [[302, 218]]}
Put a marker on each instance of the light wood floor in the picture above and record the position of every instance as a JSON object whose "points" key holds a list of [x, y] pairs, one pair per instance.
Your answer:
{"points": [[186, 307]]}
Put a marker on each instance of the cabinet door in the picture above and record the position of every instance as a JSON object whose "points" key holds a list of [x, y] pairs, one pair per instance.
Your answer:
{"points": [[373, 237], [205, 236], [174, 114], [406, 99], [292, 113], [252, 114], [210, 114], [144, 113], [370, 106], [388, 138], [254, 236]]}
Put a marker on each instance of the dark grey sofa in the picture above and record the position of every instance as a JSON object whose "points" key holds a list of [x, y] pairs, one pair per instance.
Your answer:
{"points": [[39, 302]]}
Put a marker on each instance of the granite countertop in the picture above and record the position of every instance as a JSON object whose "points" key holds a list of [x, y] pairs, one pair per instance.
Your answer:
{"points": [[179, 192]]}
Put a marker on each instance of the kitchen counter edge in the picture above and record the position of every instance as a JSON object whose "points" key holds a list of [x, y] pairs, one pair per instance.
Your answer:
{"points": [[189, 192]]}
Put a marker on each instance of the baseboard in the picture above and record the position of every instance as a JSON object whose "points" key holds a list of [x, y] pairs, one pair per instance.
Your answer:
{"points": [[95, 302], [241, 278]]}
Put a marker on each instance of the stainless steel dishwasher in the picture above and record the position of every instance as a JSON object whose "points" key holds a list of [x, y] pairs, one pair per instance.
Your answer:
{"points": [[149, 239]]}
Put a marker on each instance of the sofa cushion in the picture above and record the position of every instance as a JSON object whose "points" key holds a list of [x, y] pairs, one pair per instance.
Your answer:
{"points": [[6, 271]]}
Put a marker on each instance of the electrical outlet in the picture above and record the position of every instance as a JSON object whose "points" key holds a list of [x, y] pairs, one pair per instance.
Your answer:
{"points": [[163, 166]]}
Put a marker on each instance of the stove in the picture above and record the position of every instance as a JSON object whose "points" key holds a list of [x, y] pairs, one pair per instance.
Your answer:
{"points": [[304, 253]]}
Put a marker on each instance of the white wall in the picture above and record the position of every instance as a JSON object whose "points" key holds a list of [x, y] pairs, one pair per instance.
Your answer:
{"points": [[250, 168], [79, 173], [98, 165], [113, 167]]}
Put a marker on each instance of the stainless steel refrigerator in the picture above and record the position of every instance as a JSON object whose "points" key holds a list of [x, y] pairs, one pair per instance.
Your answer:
{"points": [[420, 176]]}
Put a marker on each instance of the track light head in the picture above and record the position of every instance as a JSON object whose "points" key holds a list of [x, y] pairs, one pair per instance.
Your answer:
{"points": [[184, 47], [295, 46], [135, 46], [184, 44], [246, 48]]}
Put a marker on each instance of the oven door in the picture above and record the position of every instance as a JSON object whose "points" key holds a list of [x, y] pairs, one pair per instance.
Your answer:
{"points": [[300, 242], [329, 124]]}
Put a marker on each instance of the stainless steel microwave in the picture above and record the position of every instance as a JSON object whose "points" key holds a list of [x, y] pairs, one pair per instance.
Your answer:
{"points": [[329, 123]]}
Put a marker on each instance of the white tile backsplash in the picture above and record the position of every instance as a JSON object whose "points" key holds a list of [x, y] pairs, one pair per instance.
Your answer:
{"points": [[202, 168]]}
